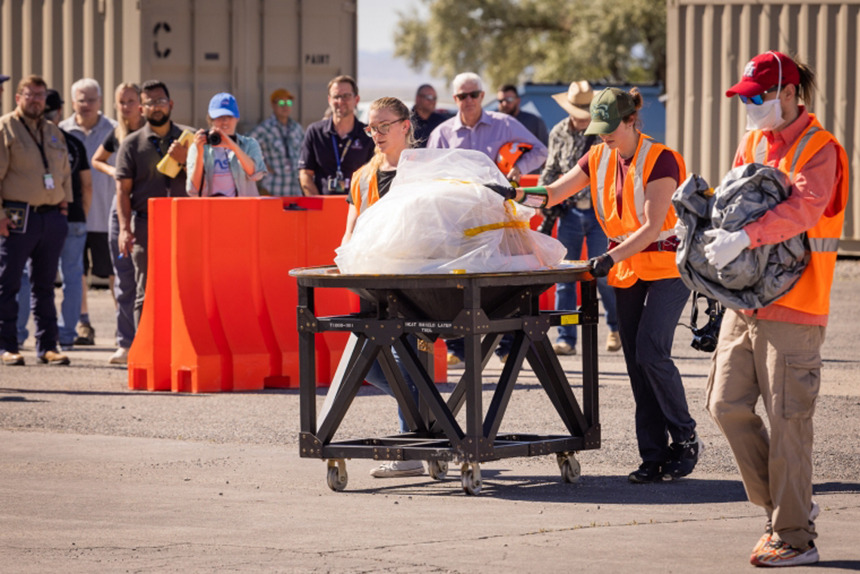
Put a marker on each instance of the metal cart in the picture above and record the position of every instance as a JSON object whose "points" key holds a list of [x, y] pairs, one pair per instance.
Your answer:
{"points": [[478, 307]]}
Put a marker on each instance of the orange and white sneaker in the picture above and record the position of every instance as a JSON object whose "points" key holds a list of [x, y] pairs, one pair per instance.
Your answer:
{"points": [[778, 553], [768, 531]]}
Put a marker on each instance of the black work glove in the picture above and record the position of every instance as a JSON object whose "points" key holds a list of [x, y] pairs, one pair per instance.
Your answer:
{"points": [[601, 265], [505, 191]]}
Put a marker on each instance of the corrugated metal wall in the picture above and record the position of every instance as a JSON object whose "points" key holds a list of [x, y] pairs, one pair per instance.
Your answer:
{"points": [[709, 43], [197, 47]]}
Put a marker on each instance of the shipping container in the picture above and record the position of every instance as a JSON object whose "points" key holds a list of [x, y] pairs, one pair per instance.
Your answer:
{"points": [[197, 47], [708, 45]]}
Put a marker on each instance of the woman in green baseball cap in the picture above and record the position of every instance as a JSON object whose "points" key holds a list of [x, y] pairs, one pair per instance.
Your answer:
{"points": [[632, 179]]}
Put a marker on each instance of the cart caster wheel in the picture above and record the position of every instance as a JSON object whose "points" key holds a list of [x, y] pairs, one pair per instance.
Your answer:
{"points": [[470, 474], [437, 469], [570, 468], [336, 477]]}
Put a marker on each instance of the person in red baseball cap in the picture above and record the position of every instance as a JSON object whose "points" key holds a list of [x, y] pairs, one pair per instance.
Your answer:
{"points": [[775, 352]]}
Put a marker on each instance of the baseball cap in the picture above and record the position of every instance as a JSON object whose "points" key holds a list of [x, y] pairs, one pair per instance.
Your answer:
{"points": [[223, 104], [281, 94], [608, 108], [53, 101], [762, 73]]}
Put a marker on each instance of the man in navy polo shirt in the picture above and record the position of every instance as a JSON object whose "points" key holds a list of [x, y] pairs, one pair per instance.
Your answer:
{"points": [[335, 147]]}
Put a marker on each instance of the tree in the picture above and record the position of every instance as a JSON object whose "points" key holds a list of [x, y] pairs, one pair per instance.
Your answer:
{"points": [[538, 40]]}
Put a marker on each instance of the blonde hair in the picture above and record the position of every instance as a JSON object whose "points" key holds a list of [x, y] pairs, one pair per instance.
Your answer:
{"points": [[399, 109], [122, 130]]}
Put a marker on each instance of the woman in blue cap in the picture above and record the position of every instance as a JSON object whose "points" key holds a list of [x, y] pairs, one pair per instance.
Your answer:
{"points": [[232, 164]]}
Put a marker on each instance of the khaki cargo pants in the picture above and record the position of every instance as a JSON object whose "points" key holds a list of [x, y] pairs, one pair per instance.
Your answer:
{"points": [[781, 362]]}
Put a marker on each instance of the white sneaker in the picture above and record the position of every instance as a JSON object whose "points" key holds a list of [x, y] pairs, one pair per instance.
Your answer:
{"points": [[398, 468], [120, 357]]}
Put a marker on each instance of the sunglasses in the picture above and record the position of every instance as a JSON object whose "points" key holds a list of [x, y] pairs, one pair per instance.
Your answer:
{"points": [[159, 102], [758, 99], [288, 103], [474, 95], [431, 97], [381, 128], [508, 99]]}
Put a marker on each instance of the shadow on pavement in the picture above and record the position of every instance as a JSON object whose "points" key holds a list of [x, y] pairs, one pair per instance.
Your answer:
{"points": [[852, 565], [590, 489], [834, 487]]}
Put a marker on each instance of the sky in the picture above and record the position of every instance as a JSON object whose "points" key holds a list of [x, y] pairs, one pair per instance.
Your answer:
{"points": [[379, 73]]}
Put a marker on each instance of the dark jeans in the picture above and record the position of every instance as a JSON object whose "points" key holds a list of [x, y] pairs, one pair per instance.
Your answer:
{"points": [[647, 315], [140, 229], [376, 377], [43, 242], [124, 286]]}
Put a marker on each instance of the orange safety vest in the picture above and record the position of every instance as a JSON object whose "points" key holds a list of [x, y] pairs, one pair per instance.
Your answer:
{"points": [[811, 293], [603, 167], [364, 189]]}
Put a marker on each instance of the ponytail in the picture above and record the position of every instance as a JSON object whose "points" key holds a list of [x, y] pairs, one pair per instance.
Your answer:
{"points": [[633, 117], [806, 88]]}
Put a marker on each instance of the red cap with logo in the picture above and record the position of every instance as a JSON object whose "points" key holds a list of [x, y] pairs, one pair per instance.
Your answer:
{"points": [[762, 73]]}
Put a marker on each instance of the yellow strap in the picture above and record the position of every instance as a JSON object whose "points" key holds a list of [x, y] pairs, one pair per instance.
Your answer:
{"points": [[512, 224]]}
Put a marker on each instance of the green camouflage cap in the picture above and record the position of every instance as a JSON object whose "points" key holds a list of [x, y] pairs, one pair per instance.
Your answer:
{"points": [[608, 108]]}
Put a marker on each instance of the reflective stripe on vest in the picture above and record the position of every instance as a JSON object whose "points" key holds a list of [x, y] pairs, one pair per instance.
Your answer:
{"points": [[823, 245], [363, 191], [761, 151], [639, 180], [799, 150], [601, 182]]}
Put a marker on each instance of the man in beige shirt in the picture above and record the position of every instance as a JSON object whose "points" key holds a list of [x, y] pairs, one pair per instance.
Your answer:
{"points": [[35, 189]]}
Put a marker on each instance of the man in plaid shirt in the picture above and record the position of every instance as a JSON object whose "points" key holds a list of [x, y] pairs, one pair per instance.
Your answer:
{"points": [[280, 138]]}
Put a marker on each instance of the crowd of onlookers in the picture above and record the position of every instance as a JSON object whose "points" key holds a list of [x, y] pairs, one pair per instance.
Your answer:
{"points": [[75, 189]]}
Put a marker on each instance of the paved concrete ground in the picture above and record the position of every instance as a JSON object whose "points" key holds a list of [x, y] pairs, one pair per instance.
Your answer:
{"points": [[95, 478]]}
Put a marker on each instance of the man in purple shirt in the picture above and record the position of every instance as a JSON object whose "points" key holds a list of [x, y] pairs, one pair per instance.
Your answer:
{"points": [[477, 129]]}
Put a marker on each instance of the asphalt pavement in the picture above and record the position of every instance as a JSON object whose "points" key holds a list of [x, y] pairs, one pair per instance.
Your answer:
{"points": [[97, 478]]}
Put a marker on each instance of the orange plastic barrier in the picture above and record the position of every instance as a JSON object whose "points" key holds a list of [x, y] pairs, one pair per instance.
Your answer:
{"points": [[220, 309]]}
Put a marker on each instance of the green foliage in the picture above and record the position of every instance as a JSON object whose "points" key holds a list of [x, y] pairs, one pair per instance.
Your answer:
{"points": [[539, 40]]}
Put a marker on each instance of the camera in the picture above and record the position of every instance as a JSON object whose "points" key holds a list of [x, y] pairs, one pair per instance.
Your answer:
{"points": [[213, 138], [705, 338], [337, 184]]}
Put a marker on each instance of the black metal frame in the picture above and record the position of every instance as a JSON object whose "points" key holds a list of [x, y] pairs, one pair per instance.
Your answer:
{"points": [[478, 307]]}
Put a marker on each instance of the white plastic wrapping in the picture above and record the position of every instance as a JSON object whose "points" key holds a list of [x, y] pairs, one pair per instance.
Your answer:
{"points": [[438, 218]]}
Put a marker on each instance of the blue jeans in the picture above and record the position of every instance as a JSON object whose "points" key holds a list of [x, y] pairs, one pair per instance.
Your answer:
{"points": [[72, 271], [124, 286], [376, 377], [574, 226]]}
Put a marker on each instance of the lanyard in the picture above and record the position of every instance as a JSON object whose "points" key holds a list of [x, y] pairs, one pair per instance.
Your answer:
{"points": [[156, 141], [41, 146], [340, 157]]}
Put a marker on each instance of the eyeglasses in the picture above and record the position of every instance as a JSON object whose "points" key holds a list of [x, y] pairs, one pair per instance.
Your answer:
{"points": [[160, 102], [344, 97], [431, 98], [474, 95], [381, 128], [88, 101], [758, 99], [34, 95], [288, 103], [508, 99]]}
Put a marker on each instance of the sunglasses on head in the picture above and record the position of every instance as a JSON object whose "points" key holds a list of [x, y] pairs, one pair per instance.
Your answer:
{"points": [[758, 99], [474, 95], [288, 103]]}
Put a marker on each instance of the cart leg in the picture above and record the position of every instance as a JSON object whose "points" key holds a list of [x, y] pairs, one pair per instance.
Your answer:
{"points": [[470, 475], [570, 468], [336, 476]]}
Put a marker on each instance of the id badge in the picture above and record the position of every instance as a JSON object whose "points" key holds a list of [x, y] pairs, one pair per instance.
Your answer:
{"points": [[49, 181]]}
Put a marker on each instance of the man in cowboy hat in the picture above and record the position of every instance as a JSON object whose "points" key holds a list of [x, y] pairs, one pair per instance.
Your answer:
{"points": [[577, 222]]}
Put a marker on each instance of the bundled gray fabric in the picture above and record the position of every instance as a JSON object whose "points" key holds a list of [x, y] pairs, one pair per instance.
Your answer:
{"points": [[759, 276]]}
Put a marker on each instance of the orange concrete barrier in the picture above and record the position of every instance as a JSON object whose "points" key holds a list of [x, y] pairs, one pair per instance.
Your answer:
{"points": [[220, 309]]}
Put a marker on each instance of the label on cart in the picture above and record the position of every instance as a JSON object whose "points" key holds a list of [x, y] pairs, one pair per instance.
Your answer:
{"points": [[570, 319], [428, 326]]}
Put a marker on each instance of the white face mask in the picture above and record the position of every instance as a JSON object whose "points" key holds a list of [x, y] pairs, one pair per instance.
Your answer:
{"points": [[767, 116]]}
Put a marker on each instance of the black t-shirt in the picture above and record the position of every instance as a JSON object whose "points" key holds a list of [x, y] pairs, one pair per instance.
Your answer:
{"points": [[77, 163], [383, 181], [111, 143], [423, 128], [318, 153]]}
